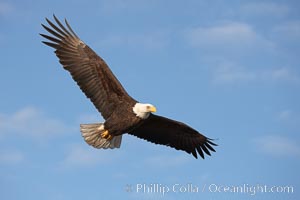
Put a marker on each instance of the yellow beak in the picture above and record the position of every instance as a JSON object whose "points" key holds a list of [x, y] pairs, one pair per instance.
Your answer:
{"points": [[152, 109]]}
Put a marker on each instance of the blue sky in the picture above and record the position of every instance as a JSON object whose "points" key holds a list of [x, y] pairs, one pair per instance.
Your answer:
{"points": [[229, 69]]}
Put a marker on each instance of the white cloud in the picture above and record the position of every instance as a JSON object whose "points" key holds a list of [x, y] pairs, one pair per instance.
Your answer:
{"points": [[30, 121], [281, 74], [233, 73], [289, 117], [285, 115], [90, 118], [151, 41], [226, 33], [86, 156], [11, 157], [5, 8], [166, 160], [264, 9], [117, 6], [231, 36], [276, 145], [230, 73], [288, 31]]}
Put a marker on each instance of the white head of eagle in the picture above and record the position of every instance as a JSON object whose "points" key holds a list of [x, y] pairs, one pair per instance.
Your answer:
{"points": [[143, 110]]}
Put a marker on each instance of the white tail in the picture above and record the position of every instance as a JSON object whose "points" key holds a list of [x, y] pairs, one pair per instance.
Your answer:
{"points": [[92, 135]]}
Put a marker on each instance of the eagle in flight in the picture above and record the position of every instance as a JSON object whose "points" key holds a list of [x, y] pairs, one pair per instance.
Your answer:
{"points": [[121, 112]]}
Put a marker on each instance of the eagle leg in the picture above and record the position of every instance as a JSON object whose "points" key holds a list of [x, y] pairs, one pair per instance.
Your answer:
{"points": [[105, 134]]}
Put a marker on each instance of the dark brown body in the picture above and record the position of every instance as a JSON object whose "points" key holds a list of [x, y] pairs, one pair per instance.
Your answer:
{"points": [[125, 118]]}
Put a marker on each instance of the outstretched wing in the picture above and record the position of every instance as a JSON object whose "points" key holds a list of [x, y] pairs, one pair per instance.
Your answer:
{"points": [[89, 70], [161, 130]]}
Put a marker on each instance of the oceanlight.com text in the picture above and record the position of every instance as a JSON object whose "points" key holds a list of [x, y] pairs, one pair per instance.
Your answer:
{"points": [[249, 189]]}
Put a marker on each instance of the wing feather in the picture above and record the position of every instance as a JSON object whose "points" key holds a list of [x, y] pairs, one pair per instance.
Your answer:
{"points": [[164, 131], [90, 71]]}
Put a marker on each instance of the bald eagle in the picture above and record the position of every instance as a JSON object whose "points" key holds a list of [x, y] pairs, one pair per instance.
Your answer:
{"points": [[122, 113]]}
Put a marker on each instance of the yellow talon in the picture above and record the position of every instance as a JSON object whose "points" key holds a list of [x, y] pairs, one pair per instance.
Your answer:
{"points": [[109, 137], [106, 135]]}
